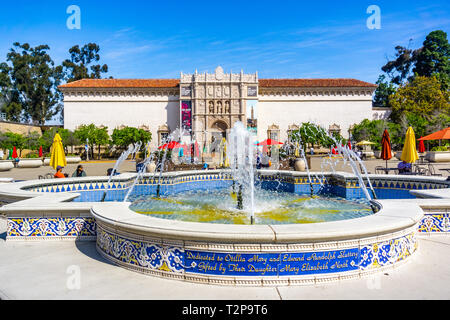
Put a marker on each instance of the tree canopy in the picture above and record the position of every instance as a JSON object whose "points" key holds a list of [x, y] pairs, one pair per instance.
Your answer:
{"points": [[422, 96], [122, 138], [34, 79], [81, 63]]}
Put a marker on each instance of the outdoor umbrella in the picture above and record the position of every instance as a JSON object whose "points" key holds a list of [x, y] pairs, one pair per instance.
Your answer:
{"points": [[58, 157], [349, 144], [297, 150], [409, 153], [440, 135], [170, 145], [364, 143], [196, 150], [269, 142], [386, 151], [14, 153], [421, 146], [40, 152]]}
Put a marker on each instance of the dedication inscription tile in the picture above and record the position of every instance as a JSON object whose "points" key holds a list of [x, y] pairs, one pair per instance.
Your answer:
{"points": [[271, 264]]}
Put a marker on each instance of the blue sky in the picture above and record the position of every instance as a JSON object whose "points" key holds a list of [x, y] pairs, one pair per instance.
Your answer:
{"points": [[279, 39]]}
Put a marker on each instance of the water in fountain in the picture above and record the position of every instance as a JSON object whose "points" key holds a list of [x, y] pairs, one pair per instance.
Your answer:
{"points": [[350, 156], [177, 135], [241, 154], [139, 175], [132, 149]]}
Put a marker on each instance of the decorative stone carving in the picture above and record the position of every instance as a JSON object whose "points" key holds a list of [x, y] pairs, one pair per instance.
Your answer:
{"points": [[227, 107], [219, 73]]}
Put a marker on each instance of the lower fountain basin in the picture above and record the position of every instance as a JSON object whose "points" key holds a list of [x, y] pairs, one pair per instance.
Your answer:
{"points": [[271, 207]]}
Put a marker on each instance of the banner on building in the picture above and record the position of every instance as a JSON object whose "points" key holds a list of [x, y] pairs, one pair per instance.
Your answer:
{"points": [[186, 116], [252, 116]]}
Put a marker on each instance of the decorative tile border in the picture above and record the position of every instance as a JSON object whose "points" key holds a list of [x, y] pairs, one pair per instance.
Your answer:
{"points": [[438, 222], [386, 188], [56, 228], [268, 267]]}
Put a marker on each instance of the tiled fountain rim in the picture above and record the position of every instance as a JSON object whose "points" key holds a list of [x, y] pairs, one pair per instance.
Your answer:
{"points": [[394, 214], [21, 189], [22, 196], [393, 217]]}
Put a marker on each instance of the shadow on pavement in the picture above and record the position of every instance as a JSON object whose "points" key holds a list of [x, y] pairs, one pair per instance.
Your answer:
{"points": [[89, 249]]}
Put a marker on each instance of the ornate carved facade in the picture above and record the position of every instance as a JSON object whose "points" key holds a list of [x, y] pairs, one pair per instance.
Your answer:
{"points": [[218, 100]]}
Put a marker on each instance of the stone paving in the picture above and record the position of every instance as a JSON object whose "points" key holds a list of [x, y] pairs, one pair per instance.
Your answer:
{"points": [[43, 270], [99, 168]]}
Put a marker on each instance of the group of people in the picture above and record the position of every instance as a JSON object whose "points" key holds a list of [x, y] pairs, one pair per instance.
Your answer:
{"points": [[77, 174]]}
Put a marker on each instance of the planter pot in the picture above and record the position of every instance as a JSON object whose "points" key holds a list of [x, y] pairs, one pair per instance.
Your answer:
{"points": [[377, 154], [300, 165], [438, 156], [29, 163], [368, 154], [73, 160], [151, 167], [398, 155], [70, 160], [6, 165]]}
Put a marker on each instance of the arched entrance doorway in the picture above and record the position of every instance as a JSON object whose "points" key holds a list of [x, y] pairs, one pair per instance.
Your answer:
{"points": [[219, 129]]}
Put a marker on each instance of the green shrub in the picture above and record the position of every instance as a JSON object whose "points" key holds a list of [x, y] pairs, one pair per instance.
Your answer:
{"points": [[440, 149]]}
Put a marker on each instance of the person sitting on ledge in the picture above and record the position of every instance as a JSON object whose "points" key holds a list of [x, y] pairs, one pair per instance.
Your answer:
{"points": [[59, 174], [404, 167], [79, 172]]}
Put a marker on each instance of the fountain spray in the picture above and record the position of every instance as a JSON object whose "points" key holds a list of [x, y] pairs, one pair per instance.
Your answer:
{"points": [[131, 149], [241, 154], [140, 173]]}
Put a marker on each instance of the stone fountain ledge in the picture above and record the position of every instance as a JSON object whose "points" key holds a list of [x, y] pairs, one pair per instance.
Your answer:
{"points": [[394, 216]]}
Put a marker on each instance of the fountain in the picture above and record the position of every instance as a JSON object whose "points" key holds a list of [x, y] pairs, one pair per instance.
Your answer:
{"points": [[271, 232], [143, 168], [132, 149], [241, 152]]}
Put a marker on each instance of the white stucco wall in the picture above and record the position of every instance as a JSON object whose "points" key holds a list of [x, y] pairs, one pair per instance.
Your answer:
{"points": [[325, 111], [381, 113], [115, 113]]}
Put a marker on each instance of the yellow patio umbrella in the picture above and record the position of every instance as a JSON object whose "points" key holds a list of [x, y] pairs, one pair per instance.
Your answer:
{"points": [[297, 150], [409, 153], [58, 157], [365, 143], [227, 162]]}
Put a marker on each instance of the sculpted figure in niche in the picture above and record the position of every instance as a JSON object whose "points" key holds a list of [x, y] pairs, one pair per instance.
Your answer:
{"points": [[211, 107], [227, 107], [219, 107]]}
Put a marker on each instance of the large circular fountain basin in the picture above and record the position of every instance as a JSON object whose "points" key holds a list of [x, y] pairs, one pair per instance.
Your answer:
{"points": [[257, 254]]}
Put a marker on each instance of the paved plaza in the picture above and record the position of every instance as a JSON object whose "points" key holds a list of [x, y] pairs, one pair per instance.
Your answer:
{"points": [[99, 168], [44, 270]]}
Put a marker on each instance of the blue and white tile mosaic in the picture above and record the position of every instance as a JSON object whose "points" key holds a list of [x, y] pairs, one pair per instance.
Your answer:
{"points": [[156, 257], [76, 228]]}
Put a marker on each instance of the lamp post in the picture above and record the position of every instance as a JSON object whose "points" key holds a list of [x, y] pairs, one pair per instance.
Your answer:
{"points": [[86, 147]]}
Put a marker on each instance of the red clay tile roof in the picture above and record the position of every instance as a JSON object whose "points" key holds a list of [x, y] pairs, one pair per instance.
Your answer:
{"points": [[173, 83], [309, 83], [123, 83]]}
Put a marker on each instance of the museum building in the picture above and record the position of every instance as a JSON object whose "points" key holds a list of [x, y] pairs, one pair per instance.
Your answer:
{"points": [[209, 104]]}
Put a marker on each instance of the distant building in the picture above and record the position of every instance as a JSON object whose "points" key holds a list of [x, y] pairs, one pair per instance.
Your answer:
{"points": [[208, 104]]}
